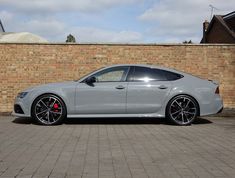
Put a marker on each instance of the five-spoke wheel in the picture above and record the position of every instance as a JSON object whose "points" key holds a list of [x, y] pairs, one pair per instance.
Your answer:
{"points": [[182, 110], [48, 109]]}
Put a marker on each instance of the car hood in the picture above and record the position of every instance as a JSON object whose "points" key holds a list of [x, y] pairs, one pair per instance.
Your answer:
{"points": [[51, 85]]}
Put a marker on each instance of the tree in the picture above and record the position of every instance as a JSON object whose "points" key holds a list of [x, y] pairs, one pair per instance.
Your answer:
{"points": [[70, 39], [187, 42]]}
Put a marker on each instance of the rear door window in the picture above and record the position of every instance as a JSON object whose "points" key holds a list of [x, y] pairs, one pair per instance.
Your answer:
{"points": [[146, 74]]}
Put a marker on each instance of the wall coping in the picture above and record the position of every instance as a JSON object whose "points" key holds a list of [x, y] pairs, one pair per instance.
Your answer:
{"points": [[119, 44]]}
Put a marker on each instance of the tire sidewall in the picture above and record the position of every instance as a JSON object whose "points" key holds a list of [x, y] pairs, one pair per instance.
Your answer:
{"points": [[168, 110], [59, 121]]}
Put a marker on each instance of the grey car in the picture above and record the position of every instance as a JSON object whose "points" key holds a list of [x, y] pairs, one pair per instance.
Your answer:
{"points": [[122, 91]]}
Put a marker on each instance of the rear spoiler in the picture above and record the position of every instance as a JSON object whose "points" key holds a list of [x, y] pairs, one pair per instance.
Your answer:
{"points": [[214, 81]]}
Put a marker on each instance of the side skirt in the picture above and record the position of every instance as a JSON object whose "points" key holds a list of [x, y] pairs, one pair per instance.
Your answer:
{"points": [[112, 115]]}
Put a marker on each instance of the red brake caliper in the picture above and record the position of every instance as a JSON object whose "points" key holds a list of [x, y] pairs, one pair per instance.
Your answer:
{"points": [[56, 106]]}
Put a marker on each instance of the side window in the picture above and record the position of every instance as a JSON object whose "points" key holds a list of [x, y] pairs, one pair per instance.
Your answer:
{"points": [[115, 74], [145, 74], [171, 75]]}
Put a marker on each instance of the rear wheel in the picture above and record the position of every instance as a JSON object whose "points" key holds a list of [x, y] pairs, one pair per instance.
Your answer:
{"points": [[48, 109], [182, 110]]}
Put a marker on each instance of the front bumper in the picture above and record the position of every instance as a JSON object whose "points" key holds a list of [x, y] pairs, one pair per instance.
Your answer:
{"points": [[19, 115], [22, 109]]}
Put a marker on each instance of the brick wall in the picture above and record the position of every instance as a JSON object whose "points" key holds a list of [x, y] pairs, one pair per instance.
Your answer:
{"points": [[24, 65]]}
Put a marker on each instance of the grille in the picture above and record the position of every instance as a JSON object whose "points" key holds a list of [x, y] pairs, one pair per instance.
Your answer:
{"points": [[18, 109]]}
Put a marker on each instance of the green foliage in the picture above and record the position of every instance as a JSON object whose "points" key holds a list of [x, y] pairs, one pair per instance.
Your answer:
{"points": [[187, 42], [70, 39]]}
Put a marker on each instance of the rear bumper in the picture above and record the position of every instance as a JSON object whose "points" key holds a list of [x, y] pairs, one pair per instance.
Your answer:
{"points": [[220, 110], [214, 106]]}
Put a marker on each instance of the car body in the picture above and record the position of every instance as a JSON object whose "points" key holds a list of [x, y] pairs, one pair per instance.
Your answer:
{"points": [[123, 91]]}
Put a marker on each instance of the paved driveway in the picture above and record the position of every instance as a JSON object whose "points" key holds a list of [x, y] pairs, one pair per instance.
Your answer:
{"points": [[117, 148]]}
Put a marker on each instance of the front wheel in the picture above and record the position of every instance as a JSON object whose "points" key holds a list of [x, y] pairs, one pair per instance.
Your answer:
{"points": [[182, 110], [48, 109]]}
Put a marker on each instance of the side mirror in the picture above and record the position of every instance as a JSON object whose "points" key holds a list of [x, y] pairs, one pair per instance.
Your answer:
{"points": [[91, 80]]}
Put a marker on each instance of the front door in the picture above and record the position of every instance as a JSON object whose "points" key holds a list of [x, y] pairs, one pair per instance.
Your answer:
{"points": [[105, 96]]}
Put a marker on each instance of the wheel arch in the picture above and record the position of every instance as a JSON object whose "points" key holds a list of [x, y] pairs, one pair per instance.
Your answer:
{"points": [[47, 93], [183, 94]]}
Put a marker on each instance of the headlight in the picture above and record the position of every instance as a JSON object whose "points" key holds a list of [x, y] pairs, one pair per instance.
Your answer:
{"points": [[22, 94]]}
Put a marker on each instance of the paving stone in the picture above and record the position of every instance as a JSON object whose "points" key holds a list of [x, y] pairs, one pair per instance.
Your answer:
{"points": [[134, 148]]}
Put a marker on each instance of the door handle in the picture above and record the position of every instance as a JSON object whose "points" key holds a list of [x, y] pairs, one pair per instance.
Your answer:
{"points": [[119, 87], [162, 87]]}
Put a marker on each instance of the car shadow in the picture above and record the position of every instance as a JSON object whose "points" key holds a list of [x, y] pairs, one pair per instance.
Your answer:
{"points": [[23, 120], [111, 121], [200, 120]]}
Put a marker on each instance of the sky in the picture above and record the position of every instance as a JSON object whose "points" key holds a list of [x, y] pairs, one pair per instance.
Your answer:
{"points": [[112, 21]]}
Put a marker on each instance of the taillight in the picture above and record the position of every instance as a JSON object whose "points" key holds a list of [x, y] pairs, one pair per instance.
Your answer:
{"points": [[217, 90]]}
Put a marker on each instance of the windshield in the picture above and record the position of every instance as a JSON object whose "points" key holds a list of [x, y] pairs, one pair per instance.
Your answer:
{"points": [[88, 74]]}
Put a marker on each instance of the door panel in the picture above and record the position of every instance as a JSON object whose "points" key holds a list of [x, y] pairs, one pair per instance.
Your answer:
{"points": [[101, 98], [106, 95], [146, 97]]}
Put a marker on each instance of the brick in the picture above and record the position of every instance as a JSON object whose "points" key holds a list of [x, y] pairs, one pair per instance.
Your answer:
{"points": [[26, 65]]}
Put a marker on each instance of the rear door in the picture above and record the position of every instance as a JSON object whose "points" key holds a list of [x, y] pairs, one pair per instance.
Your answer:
{"points": [[147, 90]]}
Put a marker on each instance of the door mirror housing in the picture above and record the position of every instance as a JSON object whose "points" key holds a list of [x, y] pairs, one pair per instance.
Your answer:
{"points": [[91, 80]]}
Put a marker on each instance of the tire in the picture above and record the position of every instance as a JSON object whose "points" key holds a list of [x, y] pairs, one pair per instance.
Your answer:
{"points": [[182, 110], [48, 109]]}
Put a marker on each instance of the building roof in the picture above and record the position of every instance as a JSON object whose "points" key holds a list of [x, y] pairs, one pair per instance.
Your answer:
{"points": [[227, 21], [229, 15], [22, 37]]}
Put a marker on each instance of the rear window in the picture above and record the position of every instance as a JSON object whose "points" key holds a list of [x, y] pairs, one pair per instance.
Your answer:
{"points": [[171, 75]]}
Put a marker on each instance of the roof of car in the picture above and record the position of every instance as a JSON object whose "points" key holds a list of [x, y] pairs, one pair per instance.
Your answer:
{"points": [[146, 65]]}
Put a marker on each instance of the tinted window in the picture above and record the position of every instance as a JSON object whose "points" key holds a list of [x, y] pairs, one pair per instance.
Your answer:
{"points": [[171, 75], [115, 74], [146, 74]]}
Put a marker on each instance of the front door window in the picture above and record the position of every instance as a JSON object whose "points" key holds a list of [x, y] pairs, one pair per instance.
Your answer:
{"points": [[115, 74]]}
